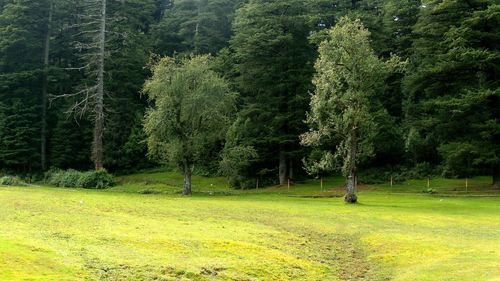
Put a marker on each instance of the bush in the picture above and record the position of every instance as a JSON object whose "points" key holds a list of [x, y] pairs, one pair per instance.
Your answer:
{"points": [[12, 180], [421, 171], [381, 175], [72, 178], [459, 159], [398, 173], [54, 177], [429, 190], [96, 179]]}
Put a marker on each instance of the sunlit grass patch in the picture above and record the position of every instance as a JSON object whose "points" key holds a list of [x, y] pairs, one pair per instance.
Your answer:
{"points": [[272, 233]]}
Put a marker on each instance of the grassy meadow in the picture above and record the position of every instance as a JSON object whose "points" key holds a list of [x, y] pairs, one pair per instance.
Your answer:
{"points": [[143, 229]]}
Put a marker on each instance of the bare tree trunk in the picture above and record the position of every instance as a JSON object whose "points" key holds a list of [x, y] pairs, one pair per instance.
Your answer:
{"points": [[187, 180], [282, 170], [196, 38], [46, 52], [496, 176], [97, 149], [354, 4], [352, 181], [350, 196]]}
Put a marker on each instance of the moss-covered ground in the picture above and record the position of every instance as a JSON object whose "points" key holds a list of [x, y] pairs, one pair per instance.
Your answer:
{"points": [[144, 230]]}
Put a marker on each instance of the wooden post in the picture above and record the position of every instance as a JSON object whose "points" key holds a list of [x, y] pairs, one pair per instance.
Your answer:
{"points": [[466, 185], [391, 181], [428, 182], [321, 184], [257, 184], [289, 184]]}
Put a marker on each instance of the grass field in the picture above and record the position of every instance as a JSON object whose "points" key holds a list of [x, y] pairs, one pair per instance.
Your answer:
{"points": [[143, 230]]}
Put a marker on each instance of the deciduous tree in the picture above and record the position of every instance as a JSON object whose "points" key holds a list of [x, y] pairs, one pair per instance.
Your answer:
{"points": [[192, 109], [349, 77]]}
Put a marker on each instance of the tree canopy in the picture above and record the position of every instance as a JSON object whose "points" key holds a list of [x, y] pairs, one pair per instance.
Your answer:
{"points": [[439, 118], [192, 109], [349, 77]]}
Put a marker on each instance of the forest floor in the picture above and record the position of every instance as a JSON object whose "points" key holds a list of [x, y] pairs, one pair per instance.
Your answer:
{"points": [[144, 230]]}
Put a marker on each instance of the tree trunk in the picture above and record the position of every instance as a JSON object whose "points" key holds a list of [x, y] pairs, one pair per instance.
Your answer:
{"points": [[46, 52], [496, 176], [97, 146], [282, 166], [354, 4], [196, 38], [352, 181], [187, 180], [350, 196]]}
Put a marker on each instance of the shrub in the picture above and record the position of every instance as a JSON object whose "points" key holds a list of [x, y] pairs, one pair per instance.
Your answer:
{"points": [[398, 173], [72, 178], [381, 175], [96, 179], [429, 190], [421, 171], [54, 177], [12, 180]]}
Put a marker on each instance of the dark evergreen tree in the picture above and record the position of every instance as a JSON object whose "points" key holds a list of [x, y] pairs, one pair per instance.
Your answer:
{"points": [[22, 33], [195, 26], [452, 94], [70, 143], [125, 76], [274, 64]]}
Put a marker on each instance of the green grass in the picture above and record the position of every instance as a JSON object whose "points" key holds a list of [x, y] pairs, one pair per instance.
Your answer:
{"points": [[143, 230]]}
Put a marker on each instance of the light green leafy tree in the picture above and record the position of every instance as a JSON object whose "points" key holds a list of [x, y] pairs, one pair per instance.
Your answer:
{"points": [[349, 77], [193, 108]]}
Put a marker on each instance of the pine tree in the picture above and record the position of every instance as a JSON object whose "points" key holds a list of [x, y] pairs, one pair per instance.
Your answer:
{"points": [[22, 31], [195, 26], [129, 47], [70, 142], [452, 95], [273, 60]]}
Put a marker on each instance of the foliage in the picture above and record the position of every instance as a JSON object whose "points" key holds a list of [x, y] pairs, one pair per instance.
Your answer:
{"points": [[21, 33], [70, 143], [349, 77], [399, 174], [442, 113], [12, 181], [452, 94], [273, 64], [235, 161], [193, 109], [430, 191], [72, 178], [131, 45], [96, 179], [195, 26]]}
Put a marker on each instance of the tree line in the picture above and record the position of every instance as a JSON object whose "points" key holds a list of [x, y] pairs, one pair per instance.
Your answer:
{"points": [[416, 78]]}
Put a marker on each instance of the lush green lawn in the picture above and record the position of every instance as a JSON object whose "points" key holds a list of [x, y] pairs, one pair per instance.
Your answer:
{"points": [[143, 230]]}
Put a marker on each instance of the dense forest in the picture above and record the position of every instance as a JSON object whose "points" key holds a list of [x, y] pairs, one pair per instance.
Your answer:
{"points": [[77, 85]]}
